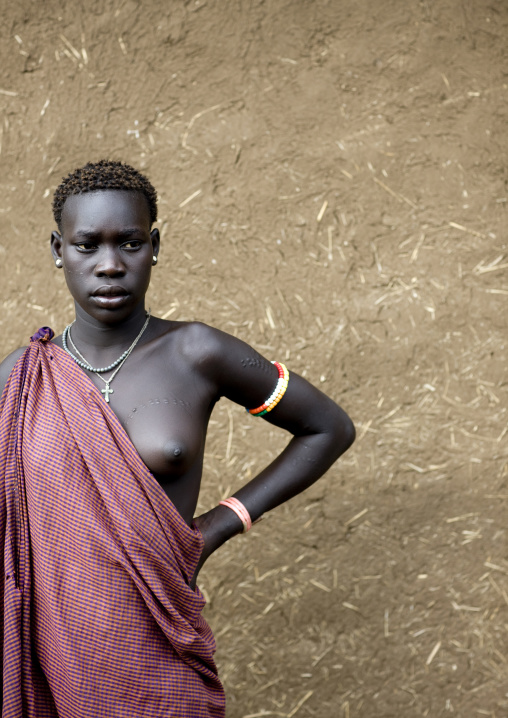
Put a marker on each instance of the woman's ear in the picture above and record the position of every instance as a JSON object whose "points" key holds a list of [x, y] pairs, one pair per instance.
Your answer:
{"points": [[56, 247], [156, 241]]}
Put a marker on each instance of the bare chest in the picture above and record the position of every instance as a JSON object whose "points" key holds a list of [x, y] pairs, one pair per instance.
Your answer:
{"points": [[165, 415]]}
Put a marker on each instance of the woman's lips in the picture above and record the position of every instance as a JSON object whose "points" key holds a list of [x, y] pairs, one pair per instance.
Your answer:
{"points": [[109, 291], [109, 296]]}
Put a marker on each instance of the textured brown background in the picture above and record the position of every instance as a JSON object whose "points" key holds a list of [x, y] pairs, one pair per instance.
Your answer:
{"points": [[332, 179]]}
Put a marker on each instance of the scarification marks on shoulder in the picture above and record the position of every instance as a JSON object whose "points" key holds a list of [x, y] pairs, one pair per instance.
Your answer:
{"points": [[256, 362]]}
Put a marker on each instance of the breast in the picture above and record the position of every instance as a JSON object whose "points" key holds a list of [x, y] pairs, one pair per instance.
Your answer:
{"points": [[175, 453], [166, 456], [167, 438]]}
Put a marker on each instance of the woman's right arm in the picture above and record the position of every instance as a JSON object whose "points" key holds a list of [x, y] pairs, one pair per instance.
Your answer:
{"points": [[8, 365]]}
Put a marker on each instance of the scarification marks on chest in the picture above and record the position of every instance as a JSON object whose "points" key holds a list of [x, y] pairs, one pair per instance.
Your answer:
{"points": [[140, 408]]}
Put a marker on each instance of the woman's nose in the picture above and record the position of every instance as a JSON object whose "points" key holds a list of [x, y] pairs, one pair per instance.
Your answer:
{"points": [[109, 263]]}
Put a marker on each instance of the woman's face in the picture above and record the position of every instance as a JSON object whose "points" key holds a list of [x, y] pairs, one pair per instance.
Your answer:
{"points": [[107, 250]]}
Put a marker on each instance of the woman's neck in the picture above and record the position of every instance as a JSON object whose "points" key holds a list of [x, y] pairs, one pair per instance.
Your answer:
{"points": [[106, 339]]}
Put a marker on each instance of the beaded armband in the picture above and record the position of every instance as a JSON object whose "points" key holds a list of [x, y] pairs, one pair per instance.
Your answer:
{"points": [[278, 392]]}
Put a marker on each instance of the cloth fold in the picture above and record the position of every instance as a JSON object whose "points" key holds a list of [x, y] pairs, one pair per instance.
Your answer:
{"points": [[99, 619]]}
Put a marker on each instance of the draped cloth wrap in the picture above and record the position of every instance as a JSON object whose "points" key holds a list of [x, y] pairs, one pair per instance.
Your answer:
{"points": [[98, 617]]}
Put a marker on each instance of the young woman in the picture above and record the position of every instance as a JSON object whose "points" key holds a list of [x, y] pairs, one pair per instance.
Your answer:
{"points": [[102, 436]]}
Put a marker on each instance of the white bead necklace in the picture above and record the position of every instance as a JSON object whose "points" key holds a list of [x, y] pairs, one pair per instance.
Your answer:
{"points": [[118, 363]]}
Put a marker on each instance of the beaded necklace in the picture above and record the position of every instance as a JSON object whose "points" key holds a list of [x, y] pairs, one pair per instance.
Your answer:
{"points": [[88, 367]]}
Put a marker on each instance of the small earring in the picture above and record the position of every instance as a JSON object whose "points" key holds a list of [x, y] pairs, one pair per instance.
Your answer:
{"points": [[58, 263], [154, 259]]}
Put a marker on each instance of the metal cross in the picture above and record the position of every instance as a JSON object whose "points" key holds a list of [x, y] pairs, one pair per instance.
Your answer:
{"points": [[107, 391]]}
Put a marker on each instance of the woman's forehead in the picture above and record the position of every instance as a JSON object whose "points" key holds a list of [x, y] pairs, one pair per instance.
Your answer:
{"points": [[105, 208]]}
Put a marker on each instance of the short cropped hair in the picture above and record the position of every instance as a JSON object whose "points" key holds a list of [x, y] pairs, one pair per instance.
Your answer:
{"points": [[103, 175]]}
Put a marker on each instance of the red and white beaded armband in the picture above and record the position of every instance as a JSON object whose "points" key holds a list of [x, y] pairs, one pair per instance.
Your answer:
{"points": [[278, 392]]}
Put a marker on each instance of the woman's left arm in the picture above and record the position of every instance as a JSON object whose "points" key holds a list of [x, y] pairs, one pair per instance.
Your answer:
{"points": [[321, 430]]}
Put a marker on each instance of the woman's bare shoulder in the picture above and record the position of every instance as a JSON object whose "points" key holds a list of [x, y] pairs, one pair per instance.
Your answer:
{"points": [[195, 338], [8, 365], [204, 343]]}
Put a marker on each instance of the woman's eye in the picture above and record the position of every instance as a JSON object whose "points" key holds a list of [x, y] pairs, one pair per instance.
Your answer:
{"points": [[85, 246], [133, 244]]}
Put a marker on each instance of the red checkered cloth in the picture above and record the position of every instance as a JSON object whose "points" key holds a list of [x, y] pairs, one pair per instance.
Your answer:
{"points": [[98, 620]]}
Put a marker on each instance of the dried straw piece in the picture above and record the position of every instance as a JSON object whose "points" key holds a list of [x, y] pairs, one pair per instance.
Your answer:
{"points": [[71, 47], [319, 585], [351, 607], [364, 429], [269, 317], [320, 658], [191, 123], [498, 589], [356, 517], [493, 266], [168, 313], [299, 704], [265, 686], [462, 607], [190, 198], [398, 196], [322, 211], [494, 567], [432, 654], [469, 231]]}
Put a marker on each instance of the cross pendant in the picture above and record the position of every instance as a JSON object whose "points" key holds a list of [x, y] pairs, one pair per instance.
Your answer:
{"points": [[107, 391]]}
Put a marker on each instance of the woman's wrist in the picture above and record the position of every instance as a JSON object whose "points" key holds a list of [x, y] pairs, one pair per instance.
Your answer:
{"points": [[217, 526], [240, 510]]}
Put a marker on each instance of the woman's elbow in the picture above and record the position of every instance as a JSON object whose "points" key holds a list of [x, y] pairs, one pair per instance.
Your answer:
{"points": [[349, 433], [344, 431]]}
